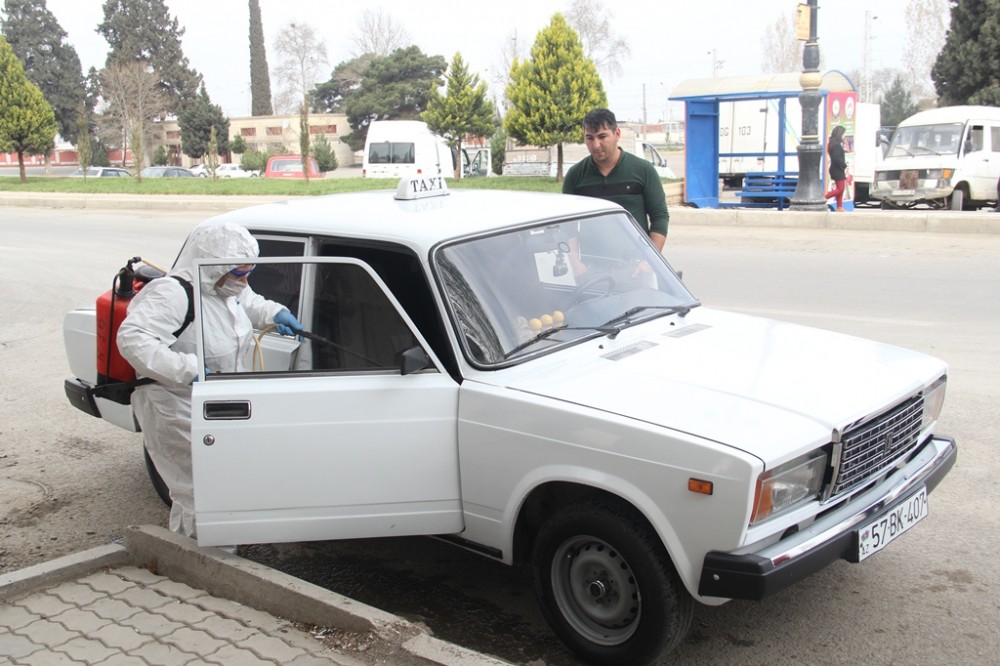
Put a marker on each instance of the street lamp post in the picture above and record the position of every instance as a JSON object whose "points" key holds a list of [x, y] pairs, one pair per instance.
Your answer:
{"points": [[809, 189]]}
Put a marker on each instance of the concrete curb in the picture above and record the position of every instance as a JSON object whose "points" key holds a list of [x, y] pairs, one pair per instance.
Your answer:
{"points": [[231, 577]]}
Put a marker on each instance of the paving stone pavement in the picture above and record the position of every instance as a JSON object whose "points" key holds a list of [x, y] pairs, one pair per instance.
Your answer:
{"points": [[127, 615], [159, 600]]}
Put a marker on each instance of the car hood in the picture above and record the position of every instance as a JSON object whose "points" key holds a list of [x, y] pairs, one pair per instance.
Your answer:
{"points": [[921, 161], [769, 388]]}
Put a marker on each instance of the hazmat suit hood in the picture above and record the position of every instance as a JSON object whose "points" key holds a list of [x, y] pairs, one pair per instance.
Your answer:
{"points": [[214, 241]]}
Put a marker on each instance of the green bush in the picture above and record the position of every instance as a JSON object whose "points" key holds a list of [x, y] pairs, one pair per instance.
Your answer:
{"points": [[160, 156], [254, 160], [324, 154]]}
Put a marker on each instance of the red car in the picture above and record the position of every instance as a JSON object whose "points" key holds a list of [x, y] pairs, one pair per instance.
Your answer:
{"points": [[290, 166]]}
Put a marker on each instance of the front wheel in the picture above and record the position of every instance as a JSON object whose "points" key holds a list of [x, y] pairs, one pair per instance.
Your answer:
{"points": [[958, 199], [607, 587]]}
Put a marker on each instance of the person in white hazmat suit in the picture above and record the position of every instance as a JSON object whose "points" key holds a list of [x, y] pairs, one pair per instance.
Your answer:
{"points": [[230, 312]]}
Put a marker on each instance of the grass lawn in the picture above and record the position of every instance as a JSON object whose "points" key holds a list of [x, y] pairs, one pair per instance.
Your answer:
{"points": [[251, 186]]}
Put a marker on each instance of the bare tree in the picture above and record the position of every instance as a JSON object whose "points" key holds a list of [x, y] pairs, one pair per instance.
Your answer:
{"points": [[782, 51], [135, 101], [593, 23], [301, 62], [927, 26], [378, 34]]}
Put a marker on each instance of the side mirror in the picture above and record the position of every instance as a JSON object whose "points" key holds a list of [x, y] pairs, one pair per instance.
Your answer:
{"points": [[413, 360]]}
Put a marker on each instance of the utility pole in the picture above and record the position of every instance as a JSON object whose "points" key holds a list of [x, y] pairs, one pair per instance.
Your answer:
{"points": [[809, 189], [716, 63], [866, 80]]}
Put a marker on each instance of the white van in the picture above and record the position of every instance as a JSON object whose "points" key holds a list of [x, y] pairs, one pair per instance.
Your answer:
{"points": [[947, 157], [404, 149]]}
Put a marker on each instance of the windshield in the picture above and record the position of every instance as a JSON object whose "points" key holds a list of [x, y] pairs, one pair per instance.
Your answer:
{"points": [[943, 139], [532, 290]]}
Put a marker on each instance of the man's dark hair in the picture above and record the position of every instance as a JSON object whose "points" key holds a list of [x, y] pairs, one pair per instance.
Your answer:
{"points": [[598, 118]]}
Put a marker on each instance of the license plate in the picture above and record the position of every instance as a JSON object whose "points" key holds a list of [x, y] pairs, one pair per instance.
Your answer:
{"points": [[903, 193], [878, 534]]}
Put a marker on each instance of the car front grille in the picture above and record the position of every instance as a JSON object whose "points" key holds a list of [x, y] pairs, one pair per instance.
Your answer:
{"points": [[875, 445]]}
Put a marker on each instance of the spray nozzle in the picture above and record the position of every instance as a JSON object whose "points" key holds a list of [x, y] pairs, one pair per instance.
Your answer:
{"points": [[126, 275]]}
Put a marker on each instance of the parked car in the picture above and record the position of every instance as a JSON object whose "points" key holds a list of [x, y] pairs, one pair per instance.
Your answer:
{"points": [[290, 166], [523, 374], [165, 172], [102, 172], [200, 170], [235, 171]]}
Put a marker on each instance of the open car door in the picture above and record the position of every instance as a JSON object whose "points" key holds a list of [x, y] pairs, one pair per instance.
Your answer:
{"points": [[347, 432]]}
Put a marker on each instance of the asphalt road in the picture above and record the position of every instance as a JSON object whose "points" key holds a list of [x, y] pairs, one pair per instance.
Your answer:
{"points": [[69, 482]]}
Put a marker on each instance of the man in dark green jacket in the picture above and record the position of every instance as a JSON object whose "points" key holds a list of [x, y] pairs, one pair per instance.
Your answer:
{"points": [[616, 175]]}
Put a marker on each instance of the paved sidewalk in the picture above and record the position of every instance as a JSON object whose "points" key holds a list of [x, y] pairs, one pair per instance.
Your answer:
{"points": [[159, 599]]}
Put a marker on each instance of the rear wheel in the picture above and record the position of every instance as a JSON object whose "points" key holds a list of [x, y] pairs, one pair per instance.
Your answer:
{"points": [[158, 484], [607, 587]]}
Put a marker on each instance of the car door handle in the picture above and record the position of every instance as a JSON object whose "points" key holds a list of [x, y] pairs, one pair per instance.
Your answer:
{"points": [[227, 410]]}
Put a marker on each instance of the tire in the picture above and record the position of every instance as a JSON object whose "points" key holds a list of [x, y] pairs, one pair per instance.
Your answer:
{"points": [[957, 199], [607, 587], [158, 485]]}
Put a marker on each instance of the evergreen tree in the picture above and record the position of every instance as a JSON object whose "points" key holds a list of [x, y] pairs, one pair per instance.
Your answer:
{"points": [[260, 78], [27, 123], [550, 93], [897, 104], [49, 62], [212, 154], [330, 96], [143, 31], [304, 138], [237, 145], [967, 70], [84, 152], [462, 112], [394, 87], [160, 157], [197, 121], [325, 156]]}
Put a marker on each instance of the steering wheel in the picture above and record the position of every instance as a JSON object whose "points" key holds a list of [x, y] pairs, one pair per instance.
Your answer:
{"points": [[578, 296]]}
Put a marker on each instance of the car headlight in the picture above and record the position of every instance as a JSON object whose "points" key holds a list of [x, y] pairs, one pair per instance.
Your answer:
{"points": [[787, 485], [933, 402]]}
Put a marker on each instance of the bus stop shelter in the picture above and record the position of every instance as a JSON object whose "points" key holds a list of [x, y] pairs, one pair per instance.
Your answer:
{"points": [[773, 183]]}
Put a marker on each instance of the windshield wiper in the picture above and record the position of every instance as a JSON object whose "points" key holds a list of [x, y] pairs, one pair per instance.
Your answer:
{"points": [[616, 324], [556, 329]]}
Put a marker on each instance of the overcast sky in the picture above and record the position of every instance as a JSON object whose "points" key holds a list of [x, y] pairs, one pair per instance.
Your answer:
{"points": [[670, 41]]}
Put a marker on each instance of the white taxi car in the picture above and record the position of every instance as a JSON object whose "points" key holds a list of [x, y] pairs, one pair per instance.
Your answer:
{"points": [[525, 375]]}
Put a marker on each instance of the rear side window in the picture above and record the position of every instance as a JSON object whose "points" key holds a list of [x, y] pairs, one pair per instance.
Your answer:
{"points": [[389, 152]]}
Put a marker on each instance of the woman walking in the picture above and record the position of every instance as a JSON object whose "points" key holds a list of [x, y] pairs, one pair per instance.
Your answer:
{"points": [[838, 166]]}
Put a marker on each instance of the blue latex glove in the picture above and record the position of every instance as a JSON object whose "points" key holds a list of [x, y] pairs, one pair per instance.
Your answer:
{"points": [[287, 323]]}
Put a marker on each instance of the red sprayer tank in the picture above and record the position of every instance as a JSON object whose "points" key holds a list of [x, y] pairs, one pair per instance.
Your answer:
{"points": [[111, 309]]}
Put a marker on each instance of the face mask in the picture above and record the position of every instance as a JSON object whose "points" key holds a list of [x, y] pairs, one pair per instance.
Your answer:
{"points": [[231, 288]]}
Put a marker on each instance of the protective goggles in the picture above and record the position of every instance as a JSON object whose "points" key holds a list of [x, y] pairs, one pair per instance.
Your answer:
{"points": [[240, 272]]}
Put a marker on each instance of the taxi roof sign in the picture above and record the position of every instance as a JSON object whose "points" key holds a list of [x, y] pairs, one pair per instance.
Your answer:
{"points": [[421, 187]]}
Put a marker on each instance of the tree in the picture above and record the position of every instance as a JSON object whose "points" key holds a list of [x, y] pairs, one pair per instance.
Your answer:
{"points": [[498, 148], [395, 87], [260, 77], [212, 153], [551, 92], [143, 31], [237, 145], [135, 100], [160, 157], [378, 35], [301, 57], [593, 25], [324, 154], [897, 104], [27, 123], [462, 112], [781, 50], [197, 121], [927, 24], [49, 62], [330, 96], [84, 151], [967, 70], [304, 151]]}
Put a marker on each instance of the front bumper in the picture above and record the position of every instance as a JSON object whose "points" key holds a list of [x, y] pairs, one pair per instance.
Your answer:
{"points": [[832, 537], [886, 190]]}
